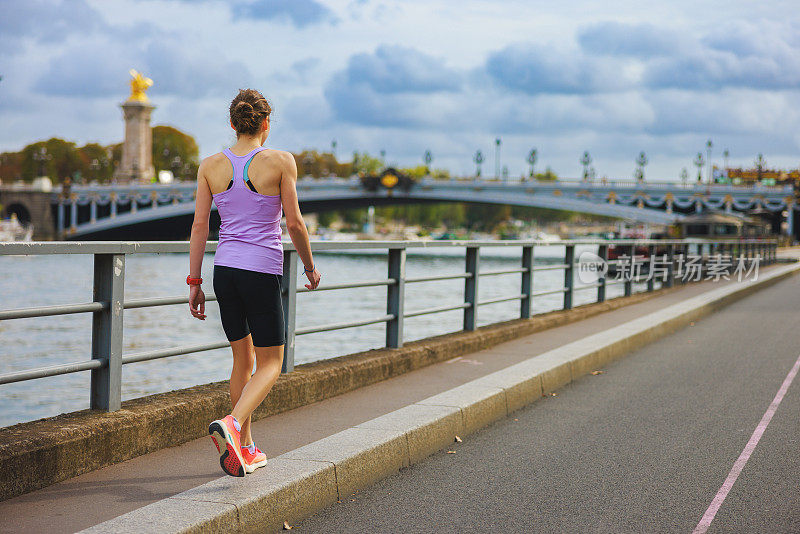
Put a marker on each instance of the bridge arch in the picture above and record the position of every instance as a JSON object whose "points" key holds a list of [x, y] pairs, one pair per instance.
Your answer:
{"points": [[20, 210]]}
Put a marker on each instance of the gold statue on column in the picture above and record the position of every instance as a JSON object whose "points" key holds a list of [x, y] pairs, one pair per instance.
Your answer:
{"points": [[139, 84]]}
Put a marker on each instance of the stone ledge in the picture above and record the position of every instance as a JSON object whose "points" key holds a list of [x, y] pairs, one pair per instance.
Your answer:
{"points": [[40, 453]]}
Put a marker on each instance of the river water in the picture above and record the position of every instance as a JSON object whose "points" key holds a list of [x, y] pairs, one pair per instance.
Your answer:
{"points": [[27, 281]]}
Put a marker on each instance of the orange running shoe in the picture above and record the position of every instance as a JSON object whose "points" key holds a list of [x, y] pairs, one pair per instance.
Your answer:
{"points": [[228, 442], [253, 461]]}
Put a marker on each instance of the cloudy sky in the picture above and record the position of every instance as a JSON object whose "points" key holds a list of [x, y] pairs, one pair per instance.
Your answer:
{"points": [[614, 77]]}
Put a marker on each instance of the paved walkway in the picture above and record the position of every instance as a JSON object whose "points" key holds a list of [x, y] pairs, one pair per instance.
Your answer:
{"points": [[643, 447], [94, 497]]}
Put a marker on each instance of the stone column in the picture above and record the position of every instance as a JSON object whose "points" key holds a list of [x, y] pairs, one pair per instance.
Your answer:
{"points": [[137, 149]]}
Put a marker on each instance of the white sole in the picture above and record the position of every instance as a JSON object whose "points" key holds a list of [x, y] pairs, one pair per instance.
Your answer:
{"points": [[249, 468]]}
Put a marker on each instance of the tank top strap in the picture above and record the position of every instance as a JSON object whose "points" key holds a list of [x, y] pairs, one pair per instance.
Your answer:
{"points": [[250, 157]]}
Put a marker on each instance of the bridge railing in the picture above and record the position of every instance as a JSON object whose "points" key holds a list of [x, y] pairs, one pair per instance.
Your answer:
{"points": [[108, 303]]}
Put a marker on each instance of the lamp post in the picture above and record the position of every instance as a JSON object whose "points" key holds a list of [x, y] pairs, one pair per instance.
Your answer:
{"points": [[428, 159], [333, 147], [699, 162], [725, 155], [586, 160], [478, 159], [532, 161], [641, 161], [497, 158], [41, 157], [709, 146], [684, 175], [175, 164], [94, 166], [308, 162]]}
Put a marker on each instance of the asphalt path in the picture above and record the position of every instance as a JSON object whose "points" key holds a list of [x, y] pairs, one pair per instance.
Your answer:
{"points": [[643, 447]]}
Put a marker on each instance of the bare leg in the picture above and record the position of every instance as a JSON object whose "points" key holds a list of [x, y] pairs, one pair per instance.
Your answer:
{"points": [[268, 369], [243, 359]]}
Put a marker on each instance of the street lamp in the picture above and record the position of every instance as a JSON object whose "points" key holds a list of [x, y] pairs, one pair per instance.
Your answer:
{"points": [[709, 146], [497, 158], [176, 165], [428, 160], [641, 161], [94, 166], [308, 161], [333, 147], [478, 159], [41, 157], [586, 160], [684, 175], [532, 161], [699, 162]]}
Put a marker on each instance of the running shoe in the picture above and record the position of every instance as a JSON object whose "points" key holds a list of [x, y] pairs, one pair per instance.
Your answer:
{"points": [[253, 461], [228, 442]]}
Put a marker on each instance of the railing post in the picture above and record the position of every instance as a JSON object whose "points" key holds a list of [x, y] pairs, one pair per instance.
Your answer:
{"points": [[471, 288], [569, 279], [628, 285], [109, 287], [601, 289], [289, 294], [527, 282], [61, 218], [93, 210], [651, 279], [73, 213], [395, 297], [670, 266]]}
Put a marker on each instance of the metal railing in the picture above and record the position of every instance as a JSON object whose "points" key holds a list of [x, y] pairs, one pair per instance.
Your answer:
{"points": [[108, 303]]}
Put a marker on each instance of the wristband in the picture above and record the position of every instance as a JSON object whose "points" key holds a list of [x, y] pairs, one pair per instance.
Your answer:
{"points": [[193, 281], [309, 270]]}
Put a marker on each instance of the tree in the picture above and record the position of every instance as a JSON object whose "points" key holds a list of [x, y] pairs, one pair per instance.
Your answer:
{"points": [[366, 163], [547, 176], [760, 165], [174, 151]]}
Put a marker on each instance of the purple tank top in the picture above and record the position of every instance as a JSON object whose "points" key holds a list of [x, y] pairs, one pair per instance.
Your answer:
{"points": [[250, 233]]}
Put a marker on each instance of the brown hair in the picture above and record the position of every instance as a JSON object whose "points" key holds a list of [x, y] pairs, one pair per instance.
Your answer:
{"points": [[248, 111]]}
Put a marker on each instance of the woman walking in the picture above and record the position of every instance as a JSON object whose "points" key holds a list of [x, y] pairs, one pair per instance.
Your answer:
{"points": [[250, 186]]}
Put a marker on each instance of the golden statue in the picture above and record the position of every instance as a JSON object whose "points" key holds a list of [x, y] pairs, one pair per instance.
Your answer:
{"points": [[139, 84]]}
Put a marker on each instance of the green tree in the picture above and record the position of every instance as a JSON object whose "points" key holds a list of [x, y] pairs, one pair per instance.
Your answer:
{"points": [[174, 150], [367, 164], [547, 176]]}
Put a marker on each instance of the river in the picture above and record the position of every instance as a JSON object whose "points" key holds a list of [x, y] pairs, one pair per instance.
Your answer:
{"points": [[27, 281]]}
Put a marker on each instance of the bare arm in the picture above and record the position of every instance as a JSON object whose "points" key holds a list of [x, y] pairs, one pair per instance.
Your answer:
{"points": [[197, 242], [202, 211], [294, 219]]}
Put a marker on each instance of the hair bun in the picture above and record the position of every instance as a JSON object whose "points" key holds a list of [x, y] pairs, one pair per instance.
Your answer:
{"points": [[248, 111]]}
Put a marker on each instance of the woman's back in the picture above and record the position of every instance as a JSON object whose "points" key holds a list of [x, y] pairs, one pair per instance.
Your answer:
{"points": [[246, 191]]}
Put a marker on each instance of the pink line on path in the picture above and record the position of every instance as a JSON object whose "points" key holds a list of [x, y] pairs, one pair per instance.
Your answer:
{"points": [[713, 508]]}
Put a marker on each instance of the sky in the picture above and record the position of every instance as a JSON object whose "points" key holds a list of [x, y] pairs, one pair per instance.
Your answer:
{"points": [[613, 78]]}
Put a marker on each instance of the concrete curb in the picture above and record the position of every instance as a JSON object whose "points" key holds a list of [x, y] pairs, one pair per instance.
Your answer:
{"points": [[300, 482]]}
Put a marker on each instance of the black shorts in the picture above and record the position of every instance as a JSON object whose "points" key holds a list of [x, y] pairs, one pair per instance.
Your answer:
{"points": [[250, 303]]}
